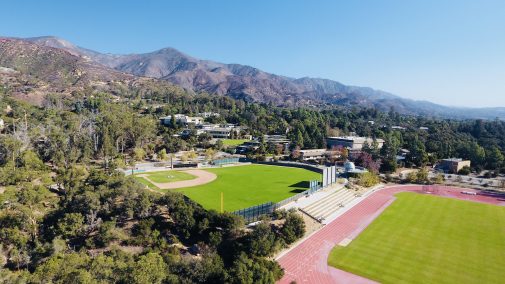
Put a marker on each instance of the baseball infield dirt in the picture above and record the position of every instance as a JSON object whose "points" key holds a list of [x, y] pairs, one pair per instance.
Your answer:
{"points": [[202, 177]]}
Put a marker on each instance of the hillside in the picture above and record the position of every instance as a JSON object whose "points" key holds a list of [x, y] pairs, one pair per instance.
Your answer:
{"points": [[31, 71]]}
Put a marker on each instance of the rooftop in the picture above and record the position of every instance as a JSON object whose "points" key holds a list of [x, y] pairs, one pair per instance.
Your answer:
{"points": [[453, 160], [313, 151], [354, 139]]}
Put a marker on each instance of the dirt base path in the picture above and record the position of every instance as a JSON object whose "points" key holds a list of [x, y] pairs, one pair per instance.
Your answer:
{"points": [[307, 262], [202, 177]]}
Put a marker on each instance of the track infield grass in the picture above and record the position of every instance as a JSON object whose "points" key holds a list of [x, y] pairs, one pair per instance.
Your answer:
{"points": [[429, 239], [246, 186]]}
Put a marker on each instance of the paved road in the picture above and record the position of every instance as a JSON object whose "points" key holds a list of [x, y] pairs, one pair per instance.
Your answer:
{"points": [[307, 262]]}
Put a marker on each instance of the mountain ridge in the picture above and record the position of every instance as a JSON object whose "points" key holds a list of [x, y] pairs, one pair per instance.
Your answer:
{"points": [[253, 84]]}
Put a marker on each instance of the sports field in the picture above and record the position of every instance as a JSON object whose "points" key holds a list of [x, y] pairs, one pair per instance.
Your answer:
{"points": [[250, 185], [162, 177], [234, 142], [428, 239], [146, 182], [169, 176]]}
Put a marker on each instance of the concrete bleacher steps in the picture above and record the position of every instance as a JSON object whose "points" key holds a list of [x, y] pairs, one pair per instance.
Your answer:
{"points": [[335, 195], [325, 207], [331, 204]]}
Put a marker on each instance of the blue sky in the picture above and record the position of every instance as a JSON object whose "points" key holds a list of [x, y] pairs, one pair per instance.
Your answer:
{"points": [[448, 52]]}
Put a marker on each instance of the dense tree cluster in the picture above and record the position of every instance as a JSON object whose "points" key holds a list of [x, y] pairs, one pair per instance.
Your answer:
{"points": [[99, 226]]}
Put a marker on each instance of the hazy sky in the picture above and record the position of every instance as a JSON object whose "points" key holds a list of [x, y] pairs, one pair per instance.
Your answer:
{"points": [[449, 52]]}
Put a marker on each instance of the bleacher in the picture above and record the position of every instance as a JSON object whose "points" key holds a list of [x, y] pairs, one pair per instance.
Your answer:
{"points": [[330, 204]]}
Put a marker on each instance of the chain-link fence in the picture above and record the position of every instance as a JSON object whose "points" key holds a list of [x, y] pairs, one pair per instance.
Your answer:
{"points": [[254, 213], [225, 161]]}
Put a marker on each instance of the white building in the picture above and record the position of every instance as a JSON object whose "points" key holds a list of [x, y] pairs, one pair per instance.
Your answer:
{"points": [[196, 120], [317, 154], [182, 119], [218, 130], [208, 114]]}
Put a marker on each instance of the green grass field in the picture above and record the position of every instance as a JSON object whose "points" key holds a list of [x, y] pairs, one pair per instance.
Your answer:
{"points": [[233, 142], [246, 186], [428, 239], [146, 183], [168, 176], [163, 177]]}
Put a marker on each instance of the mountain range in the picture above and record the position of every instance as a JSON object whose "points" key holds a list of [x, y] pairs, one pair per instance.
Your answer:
{"points": [[57, 60]]}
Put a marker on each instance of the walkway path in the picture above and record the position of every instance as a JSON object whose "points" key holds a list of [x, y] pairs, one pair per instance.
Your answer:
{"points": [[307, 262]]}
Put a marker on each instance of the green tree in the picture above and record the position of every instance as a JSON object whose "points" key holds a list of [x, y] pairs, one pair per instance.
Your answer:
{"points": [[162, 155], [71, 225], [464, 171], [368, 179], [210, 154], [139, 154], [262, 240], [293, 228], [494, 158], [150, 268]]}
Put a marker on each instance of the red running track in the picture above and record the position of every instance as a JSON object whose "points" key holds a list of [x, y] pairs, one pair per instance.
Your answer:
{"points": [[307, 262]]}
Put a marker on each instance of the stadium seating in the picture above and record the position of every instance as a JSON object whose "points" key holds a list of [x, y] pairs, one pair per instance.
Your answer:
{"points": [[325, 207]]}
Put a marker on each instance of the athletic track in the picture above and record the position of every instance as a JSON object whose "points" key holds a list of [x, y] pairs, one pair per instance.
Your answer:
{"points": [[307, 262]]}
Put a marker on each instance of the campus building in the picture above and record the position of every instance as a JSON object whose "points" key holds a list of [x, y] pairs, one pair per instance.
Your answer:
{"points": [[317, 154], [353, 143], [453, 165], [276, 139], [208, 114], [219, 131], [312, 154], [247, 147], [181, 119]]}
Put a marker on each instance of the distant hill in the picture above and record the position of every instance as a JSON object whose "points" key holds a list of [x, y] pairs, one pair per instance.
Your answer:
{"points": [[249, 83], [31, 71]]}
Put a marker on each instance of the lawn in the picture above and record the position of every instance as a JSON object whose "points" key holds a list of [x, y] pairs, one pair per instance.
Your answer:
{"points": [[168, 176], [246, 186], [162, 177], [234, 142], [146, 183], [428, 239]]}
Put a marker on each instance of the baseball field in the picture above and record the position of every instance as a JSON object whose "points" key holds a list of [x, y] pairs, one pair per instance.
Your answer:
{"points": [[250, 185], [428, 239]]}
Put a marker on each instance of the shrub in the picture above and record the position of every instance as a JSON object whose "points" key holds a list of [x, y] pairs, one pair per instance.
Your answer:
{"points": [[368, 179], [464, 171]]}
